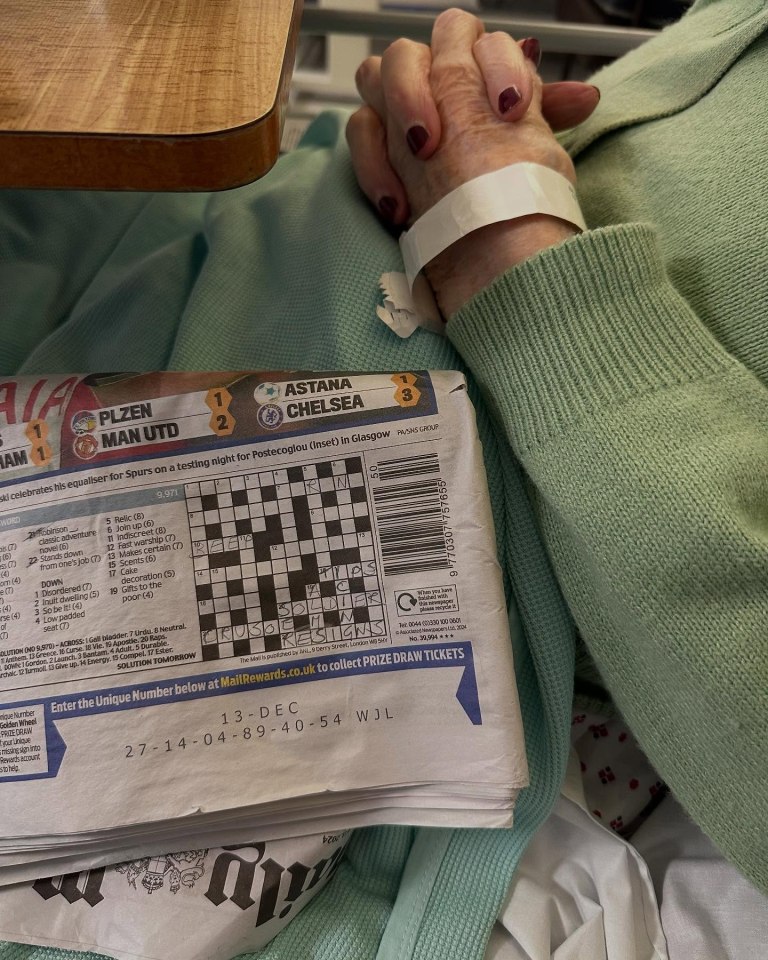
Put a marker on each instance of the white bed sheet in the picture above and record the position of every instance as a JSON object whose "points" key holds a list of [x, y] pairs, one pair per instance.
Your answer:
{"points": [[581, 892]]}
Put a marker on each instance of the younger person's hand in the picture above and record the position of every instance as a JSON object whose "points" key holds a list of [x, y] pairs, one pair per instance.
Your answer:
{"points": [[436, 117]]}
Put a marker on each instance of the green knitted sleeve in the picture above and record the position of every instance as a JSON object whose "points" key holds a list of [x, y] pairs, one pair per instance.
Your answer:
{"points": [[647, 446]]}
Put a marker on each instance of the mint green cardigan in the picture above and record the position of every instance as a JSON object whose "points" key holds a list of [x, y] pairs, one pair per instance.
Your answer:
{"points": [[621, 382]]}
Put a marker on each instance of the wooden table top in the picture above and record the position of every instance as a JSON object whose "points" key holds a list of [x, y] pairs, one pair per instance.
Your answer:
{"points": [[143, 94]]}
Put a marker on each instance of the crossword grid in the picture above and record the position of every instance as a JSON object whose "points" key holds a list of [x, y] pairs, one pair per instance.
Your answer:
{"points": [[284, 558]]}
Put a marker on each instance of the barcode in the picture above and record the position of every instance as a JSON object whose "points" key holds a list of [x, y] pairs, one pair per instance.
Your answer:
{"points": [[409, 517], [408, 467]]}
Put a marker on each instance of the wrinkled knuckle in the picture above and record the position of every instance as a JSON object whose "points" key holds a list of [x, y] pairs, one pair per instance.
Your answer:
{"points": [[452, 76], [492, 40], [399, 101], [402, 47], [454, 15]]}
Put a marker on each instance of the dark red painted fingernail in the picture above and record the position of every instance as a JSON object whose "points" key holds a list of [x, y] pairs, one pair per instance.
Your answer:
{"points": [[417, 136], [388, 207], [509, 98], [532, 49]]}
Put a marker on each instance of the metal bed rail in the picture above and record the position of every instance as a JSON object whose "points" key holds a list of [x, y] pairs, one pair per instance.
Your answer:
{"points": [[555, 36]]}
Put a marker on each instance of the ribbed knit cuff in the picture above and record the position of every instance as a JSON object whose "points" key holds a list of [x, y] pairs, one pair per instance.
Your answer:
{"points": [[580, 327]]}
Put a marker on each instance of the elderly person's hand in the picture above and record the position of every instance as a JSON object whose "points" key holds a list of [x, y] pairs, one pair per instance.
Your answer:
{"points": [[436, 117]]}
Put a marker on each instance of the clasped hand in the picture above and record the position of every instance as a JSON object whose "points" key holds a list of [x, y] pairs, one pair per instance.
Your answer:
{"points": [[437, 116]]}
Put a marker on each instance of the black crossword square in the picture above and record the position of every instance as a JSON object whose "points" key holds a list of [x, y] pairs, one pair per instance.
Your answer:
{"points": [[362, 524], [356, 585], [295, 475], [213, 531], [361, 614], [274, 526], [268, 493], [329, 498], [224, 558], [345, 555], [243, 528], [204, 591], [207, 621], [261, 545], [324, 470], [331, 618], [354, 465], [297, 585], [328, 588], [357, 495], [210, 501], [301, 622], [272, 643], [239, 498], [239, 617], [333, 528], [210, 651], [241, 647], [234, 588]]}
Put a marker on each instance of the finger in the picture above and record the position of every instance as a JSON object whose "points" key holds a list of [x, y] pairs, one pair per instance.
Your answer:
{"points": [[453, 34], [509, 75], [455, 75], [367, 141], [565, 105], [368, 83], [410, 107], [531, 49]]}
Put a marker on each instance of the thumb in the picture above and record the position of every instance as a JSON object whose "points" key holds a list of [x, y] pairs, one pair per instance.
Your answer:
{"points": [[565, 105]]}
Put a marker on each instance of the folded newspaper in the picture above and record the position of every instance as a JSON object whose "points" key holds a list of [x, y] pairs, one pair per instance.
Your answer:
{"points": [[238, 610]]}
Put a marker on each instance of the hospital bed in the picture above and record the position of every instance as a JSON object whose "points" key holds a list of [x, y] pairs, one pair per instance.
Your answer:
{"points": [[127, 105]]}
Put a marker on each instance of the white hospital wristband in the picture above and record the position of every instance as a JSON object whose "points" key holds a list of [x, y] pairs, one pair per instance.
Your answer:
{"points": [[519, 190]]}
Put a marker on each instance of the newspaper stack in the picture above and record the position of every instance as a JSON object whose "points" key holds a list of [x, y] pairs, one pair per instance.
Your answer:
{"points": [[245, 606]]}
